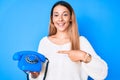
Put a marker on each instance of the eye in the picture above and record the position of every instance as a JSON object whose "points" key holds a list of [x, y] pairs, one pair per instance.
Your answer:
{"points": [[65, 14], [55, 15]]}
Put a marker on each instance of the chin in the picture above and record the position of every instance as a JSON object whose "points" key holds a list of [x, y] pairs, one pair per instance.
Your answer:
{"points": [[62, 30]]}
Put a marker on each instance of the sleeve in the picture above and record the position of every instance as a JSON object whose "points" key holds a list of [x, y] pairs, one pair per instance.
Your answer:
{"points": [[97, 68], [40, 50]]}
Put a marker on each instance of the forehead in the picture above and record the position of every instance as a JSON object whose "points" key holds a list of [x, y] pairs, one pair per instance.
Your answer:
{"points": [[60, 8]]}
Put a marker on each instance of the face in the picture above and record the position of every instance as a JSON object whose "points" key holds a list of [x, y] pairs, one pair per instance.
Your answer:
{"points": [[61, 18]]}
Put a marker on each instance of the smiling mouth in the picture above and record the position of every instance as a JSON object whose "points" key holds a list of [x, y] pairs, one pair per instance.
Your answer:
{"points": [[61, 24]]}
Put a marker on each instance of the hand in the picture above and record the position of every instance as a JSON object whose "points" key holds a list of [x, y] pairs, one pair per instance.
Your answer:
{"points": [[34, 74], [74, 55]]}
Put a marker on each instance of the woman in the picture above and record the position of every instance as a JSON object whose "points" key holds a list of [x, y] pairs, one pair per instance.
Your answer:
{"points": [[71, 56]]}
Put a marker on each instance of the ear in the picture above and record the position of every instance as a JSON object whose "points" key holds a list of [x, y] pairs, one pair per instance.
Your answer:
{"points": [[70, 20], [17, 56]]}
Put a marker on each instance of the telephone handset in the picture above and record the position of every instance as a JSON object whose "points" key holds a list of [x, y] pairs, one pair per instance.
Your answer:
{"points": [[29, 60]]}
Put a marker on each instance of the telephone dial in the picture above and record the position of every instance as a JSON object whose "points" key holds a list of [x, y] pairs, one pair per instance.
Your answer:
{"points": [[29, 60]]}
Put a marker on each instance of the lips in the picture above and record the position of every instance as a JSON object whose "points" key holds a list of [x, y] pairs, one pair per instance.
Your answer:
{"points": [[61, 24]]}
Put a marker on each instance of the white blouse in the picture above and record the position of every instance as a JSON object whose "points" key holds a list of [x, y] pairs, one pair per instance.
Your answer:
{"points": [[62, 68]]}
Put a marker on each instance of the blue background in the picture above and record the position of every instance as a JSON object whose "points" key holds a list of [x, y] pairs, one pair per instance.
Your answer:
{"points": [[24, 22]]}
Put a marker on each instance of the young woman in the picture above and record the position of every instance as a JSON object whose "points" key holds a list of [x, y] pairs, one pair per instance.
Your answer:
{"points": [[71, 57]]}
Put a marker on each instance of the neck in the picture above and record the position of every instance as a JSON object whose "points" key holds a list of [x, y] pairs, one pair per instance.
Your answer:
{"points": [[62, 35]]}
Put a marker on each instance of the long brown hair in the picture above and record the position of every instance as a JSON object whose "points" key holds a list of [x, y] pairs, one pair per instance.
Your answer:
{"points": [[73, 28]]}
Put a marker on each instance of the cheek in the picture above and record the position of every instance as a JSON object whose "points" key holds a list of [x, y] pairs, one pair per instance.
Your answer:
{"points": [[54, 20], [67, 19]]}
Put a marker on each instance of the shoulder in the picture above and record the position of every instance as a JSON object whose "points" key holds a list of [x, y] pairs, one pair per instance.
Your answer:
{"points": [[43, 39], [47, 38], [52, 37], [82, 38]]}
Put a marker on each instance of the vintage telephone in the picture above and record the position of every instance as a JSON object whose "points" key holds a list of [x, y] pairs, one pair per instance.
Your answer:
{"points": [[30, 61]]}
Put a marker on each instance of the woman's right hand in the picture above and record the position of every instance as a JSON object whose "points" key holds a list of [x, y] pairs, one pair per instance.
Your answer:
{"points": [[34, 74]]}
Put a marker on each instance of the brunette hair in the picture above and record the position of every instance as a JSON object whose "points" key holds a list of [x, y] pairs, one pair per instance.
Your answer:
{"points": [[73, 29]]}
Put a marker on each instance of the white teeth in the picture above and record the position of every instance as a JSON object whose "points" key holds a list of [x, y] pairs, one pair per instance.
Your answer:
{"points": [[60, 24]]}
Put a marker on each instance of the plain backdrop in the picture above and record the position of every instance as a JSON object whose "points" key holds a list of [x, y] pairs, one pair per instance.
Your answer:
{"points": [[24, 22]]}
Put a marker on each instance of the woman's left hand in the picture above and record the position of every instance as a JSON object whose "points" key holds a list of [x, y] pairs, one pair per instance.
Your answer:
{"points": [[74, 55]]}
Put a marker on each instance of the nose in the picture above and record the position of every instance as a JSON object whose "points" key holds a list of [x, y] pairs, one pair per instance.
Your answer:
{"points": [[60, 18]]}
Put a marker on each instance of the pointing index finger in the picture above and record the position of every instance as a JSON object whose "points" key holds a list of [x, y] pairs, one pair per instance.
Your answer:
{"points": [[63, 52]]}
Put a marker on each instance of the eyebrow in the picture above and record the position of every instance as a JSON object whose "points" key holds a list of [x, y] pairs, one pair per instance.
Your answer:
{"points": [[63, 12]]}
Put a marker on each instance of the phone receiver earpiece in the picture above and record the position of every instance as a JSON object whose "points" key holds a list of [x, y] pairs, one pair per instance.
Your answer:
{"points": [[29, 60], [17, 56]]}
